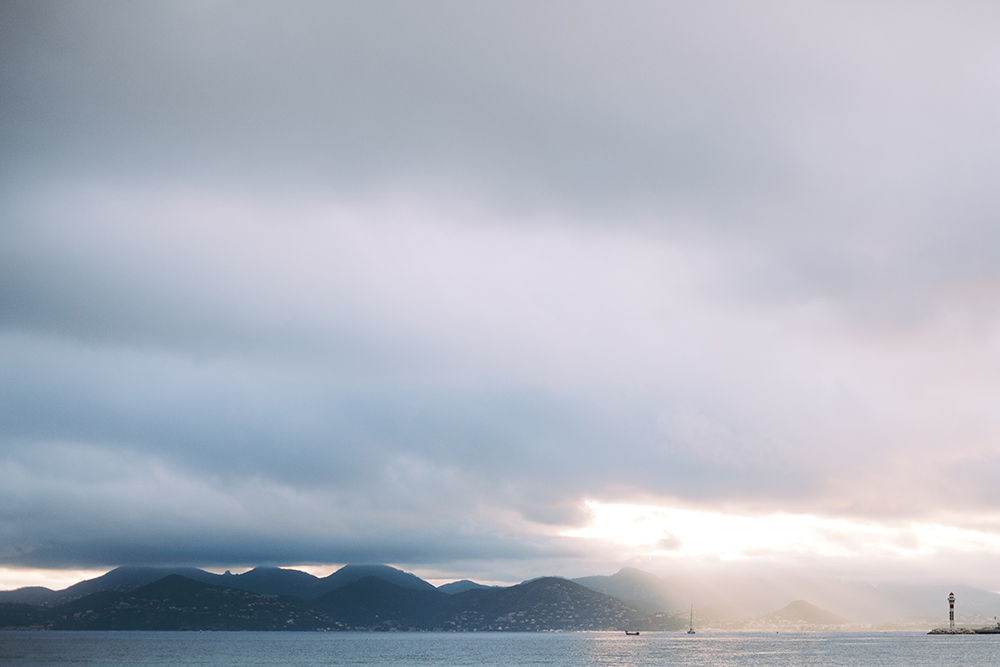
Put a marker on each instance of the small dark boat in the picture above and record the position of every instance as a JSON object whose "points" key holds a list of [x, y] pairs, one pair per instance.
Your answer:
{"points": [[691, 623], [632, 633]]}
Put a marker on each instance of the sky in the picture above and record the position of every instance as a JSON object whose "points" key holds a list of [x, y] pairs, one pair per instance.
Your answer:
{"points": [[501, 290]]}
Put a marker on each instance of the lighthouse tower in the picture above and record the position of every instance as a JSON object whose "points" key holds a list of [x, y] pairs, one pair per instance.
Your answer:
{"points": [[951, 611]]}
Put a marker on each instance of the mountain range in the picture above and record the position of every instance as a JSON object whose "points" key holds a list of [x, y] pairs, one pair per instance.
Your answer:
{"points": [[260, 580], [379, 597], [356, 597]]}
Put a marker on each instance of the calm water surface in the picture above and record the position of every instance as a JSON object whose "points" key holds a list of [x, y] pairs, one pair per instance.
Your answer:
{"points": [[222, 649]]}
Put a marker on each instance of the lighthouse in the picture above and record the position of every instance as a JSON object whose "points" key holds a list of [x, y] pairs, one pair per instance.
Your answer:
{"points": [[951, 611]]}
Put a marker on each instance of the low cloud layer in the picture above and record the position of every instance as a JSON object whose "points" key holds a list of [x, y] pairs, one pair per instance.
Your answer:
{"points": [[318, 283]]}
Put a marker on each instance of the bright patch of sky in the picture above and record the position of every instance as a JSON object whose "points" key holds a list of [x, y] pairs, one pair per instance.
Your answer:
{"points": [[56, 580], [671, 534]]}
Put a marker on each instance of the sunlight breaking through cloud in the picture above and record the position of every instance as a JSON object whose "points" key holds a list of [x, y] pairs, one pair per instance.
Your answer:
{"points": [[672, 531]]}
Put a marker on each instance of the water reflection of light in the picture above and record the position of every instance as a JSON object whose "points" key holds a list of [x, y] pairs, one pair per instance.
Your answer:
{"points": [[730, 536]]}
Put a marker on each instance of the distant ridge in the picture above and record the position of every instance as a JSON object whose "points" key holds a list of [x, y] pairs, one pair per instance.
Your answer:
{"points": [[642, 589], [460, 586], [801, 613], [260, 580], [125, 578], [272, 581], [352, 573], [33, 595]]}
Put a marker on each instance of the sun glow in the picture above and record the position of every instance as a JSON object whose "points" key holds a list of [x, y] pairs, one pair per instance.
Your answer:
{"points": [[18, 577], [664, 531]]}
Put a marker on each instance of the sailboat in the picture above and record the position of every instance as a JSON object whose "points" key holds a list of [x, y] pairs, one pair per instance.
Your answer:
{"points": [[691, 622]]}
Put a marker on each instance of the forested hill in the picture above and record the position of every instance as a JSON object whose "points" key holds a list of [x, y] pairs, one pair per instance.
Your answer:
{"points": [[175, 602]]}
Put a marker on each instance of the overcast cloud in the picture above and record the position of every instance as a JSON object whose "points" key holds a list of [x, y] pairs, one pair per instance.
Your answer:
{"points": [[411, 283]]}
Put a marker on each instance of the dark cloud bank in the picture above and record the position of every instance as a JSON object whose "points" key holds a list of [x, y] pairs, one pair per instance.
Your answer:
{"points": [[303, 282]]}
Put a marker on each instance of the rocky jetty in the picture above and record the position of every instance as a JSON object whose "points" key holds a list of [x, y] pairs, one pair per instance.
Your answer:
{"points": [[949, 631]]}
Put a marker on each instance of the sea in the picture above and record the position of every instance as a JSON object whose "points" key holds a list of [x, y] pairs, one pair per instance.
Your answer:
{"points": [[507, 649]]}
